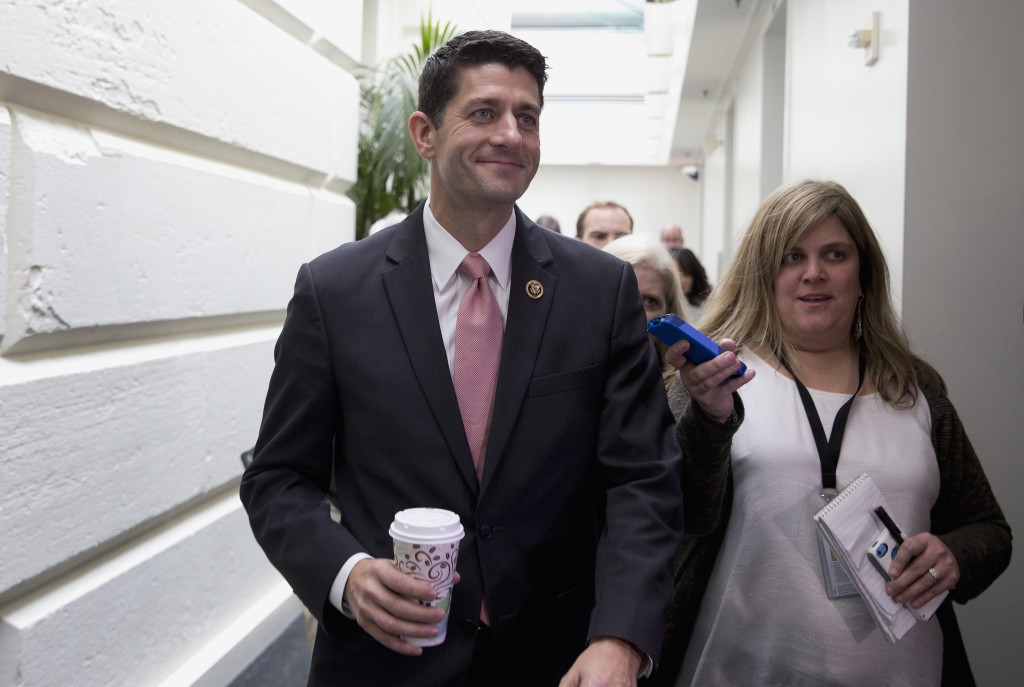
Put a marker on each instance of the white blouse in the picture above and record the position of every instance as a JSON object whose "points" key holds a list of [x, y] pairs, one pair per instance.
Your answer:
{"points": [[765, 618]]}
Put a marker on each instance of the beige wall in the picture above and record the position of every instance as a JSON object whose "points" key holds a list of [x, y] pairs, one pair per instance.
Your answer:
{"points": [[963, 282]]}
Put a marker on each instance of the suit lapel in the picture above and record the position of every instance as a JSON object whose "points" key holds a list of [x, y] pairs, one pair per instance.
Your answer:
{"points": [[410, 293], [524, 330]]}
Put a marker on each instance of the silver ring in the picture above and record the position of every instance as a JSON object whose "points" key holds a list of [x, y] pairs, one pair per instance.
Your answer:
{"points": [[934, 573]]}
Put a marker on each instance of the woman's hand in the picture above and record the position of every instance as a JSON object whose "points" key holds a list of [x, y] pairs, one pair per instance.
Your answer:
{"points": [[710, 384], [923, 568]]}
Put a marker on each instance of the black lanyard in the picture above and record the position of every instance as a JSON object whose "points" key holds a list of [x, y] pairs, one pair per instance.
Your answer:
{"points": [[828, 448]]}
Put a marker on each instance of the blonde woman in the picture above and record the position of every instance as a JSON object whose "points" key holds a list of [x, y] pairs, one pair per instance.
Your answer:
{"points": [[806, 304]]}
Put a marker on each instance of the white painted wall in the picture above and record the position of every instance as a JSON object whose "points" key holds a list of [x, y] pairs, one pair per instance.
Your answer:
{"points": [[847, 121], [843, 120], [654, 196], [715, 226], [746, 142], [164, 169], [928, 141]]}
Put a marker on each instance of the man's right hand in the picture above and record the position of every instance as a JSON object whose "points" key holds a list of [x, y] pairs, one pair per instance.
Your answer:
{"points": [[380, 597]]}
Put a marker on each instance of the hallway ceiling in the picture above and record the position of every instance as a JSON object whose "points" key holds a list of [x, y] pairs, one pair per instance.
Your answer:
{"points": [[596, 110]]}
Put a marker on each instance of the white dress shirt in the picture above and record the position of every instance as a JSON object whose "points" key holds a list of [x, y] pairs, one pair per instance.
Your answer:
{"points": [[445, 254]]}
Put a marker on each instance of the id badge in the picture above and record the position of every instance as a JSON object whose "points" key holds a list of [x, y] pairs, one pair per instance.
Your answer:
{"points": [[837, 582]]}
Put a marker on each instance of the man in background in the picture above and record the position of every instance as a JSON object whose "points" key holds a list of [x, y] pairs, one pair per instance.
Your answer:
{"points": [[602, 222], [549, 222], [672, 236], [469, 359]]}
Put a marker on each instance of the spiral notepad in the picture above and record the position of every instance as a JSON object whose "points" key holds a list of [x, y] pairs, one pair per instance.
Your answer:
{"points": [[849, 526]]}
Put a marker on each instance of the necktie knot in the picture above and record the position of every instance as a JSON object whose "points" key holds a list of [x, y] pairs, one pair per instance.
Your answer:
{"points": [[474, 266]]}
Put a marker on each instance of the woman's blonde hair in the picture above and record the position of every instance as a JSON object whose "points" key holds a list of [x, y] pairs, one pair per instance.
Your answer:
{"points": [[742, 306], [641, 250]]}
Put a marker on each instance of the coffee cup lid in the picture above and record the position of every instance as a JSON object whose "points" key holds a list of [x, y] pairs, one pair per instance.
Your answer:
{"points": [[427, 525]]}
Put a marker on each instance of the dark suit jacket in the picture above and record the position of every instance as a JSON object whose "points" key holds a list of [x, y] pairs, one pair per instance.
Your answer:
{"points": [[578, 514]]}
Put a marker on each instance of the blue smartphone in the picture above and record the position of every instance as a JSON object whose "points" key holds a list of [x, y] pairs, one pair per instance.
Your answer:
{"points": [[671, 328]]}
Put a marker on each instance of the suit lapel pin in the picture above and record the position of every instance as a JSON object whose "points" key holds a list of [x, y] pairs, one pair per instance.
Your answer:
{"points": [[534, 289]]}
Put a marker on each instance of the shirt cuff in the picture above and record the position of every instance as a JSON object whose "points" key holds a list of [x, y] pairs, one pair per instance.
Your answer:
{"points": [[336, 595], [646, 666], [646, 662]]}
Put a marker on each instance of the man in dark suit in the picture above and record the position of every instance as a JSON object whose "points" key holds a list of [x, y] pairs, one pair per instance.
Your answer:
{"points": [[571, 502]]}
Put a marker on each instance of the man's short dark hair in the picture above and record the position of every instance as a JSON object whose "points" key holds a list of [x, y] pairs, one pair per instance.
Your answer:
{"points": [[439, 81], [603, 205]]}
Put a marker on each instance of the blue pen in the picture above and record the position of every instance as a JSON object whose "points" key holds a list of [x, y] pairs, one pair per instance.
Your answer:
{"points": [[889, 524]]}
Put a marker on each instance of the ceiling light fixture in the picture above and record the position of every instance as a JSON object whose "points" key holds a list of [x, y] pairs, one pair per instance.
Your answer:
{"points": [[658, 27]]}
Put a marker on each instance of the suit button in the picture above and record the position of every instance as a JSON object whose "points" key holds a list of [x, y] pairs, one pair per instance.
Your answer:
{"points": [[486, 532]]}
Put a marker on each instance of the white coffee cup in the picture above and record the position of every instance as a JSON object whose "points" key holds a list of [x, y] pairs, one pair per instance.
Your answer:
{"points": [[427, 546]]}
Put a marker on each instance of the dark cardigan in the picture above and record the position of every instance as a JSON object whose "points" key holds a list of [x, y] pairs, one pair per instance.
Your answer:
{"points": [[965, 517]]}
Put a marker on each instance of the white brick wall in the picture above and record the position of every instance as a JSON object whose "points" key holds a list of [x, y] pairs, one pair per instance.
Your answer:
{"points": [[147, 235], [5, 170], [130, 617], [92, 451], [164, 169], [211, 67]]}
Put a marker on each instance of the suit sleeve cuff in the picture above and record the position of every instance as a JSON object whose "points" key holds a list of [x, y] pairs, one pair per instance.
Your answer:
{"points": [[336, 595]]}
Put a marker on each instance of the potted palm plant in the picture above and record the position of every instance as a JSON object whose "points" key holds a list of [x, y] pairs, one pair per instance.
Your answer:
{"points": [[391, 174]]}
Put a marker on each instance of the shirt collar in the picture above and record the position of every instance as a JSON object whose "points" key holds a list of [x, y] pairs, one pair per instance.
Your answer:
{"points": [[446, 253]]}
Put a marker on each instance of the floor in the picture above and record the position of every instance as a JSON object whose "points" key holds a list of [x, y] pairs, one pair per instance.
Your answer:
{"points": [[285, 663]]}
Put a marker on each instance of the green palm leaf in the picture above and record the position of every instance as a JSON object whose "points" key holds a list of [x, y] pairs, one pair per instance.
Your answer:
{"points": [[391, 174]]}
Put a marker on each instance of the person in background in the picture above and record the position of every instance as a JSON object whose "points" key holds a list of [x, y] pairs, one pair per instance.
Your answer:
{"points": [[694, 280], [658, 279], [428, 365], [672, 236], [603, 221], [549, 222], [806, 303], [393, 217]]}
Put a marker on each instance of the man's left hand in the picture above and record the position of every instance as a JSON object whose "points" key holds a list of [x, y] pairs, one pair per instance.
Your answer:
{"points": [[607, 662]]}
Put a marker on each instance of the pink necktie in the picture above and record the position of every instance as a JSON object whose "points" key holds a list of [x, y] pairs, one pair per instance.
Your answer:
{"points": [[478, 334]]}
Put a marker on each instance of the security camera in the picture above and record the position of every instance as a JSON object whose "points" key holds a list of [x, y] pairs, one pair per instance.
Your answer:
{"points": [[692, 171]]}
